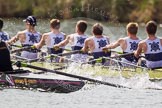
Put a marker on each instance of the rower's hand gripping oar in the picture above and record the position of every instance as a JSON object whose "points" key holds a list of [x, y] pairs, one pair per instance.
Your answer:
{"points": [[56, 48], [113, 51], [70, 75]]}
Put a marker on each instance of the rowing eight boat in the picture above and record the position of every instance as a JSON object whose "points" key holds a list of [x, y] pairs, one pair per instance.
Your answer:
{"points": [[45, 82]]}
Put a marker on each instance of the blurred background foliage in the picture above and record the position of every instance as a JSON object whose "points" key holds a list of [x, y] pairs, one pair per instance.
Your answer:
{"points": [[102, 10]]}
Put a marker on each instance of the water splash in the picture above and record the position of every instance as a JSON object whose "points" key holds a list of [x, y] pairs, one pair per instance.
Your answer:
{"points": [[137, 81], [141, 81]]}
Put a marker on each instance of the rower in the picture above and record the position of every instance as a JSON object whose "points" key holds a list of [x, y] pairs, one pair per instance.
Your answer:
{"points": [[52, 38], [151, 47], [3, 35], [128, 44], [76, 40], [28, 37], [5, 61], [95, 43]]}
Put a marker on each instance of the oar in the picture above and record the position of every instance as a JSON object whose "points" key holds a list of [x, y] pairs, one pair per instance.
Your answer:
{"points": [[98, 60], [69, 53], [106, 51], [123, 55], [63, 54], [21, 49], [19, 71], [26, 59], [18, 46], [58, 48], [110, 58], [24, 48], [71, 75]]}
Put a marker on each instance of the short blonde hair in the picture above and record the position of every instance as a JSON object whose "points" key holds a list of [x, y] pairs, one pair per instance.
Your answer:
{"points": [[132, 28], [55, 23]]}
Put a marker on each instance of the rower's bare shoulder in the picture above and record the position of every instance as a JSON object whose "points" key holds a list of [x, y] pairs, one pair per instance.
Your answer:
{"points": [[88, 39], [46, 34], [142, 42], [21, 32], [121, 41]]}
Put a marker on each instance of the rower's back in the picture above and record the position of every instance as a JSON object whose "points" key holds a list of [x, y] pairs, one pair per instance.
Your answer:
{"points": [[5, 61], [153, 51], [99, 41], [131, 42], [77, 40]]}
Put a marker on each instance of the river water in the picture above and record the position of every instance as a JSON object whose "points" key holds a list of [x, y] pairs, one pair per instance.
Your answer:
{"points": [[91, 96]]}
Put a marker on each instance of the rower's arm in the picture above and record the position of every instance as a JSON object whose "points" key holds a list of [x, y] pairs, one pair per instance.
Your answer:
{"points": [[85, 48], [14, 39], [139, 50], [41, 42], [113, 45], [64, 42]]}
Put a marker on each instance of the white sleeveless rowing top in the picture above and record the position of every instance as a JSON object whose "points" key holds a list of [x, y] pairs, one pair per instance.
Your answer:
{"points": [[78, 44], [78, 40], [54, 39], [131, 44], [153, 54], [100, 43], [4, 36], [31, 38]]}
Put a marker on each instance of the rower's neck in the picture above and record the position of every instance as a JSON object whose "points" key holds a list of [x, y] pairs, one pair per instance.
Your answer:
{"points": [[55, 31], [132, 36], [80, 33], [152, 37], [31, 29], [98, 36]]}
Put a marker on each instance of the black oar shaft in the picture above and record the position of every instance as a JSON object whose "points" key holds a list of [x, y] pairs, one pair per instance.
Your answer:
{"points": [[76, 76], [69, 53], [123, 55], [18, 50], [23, 49]]}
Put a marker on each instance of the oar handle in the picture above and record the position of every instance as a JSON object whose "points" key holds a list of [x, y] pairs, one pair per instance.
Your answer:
{"points": [[18, 50], [58, 48], [25, 48]]}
